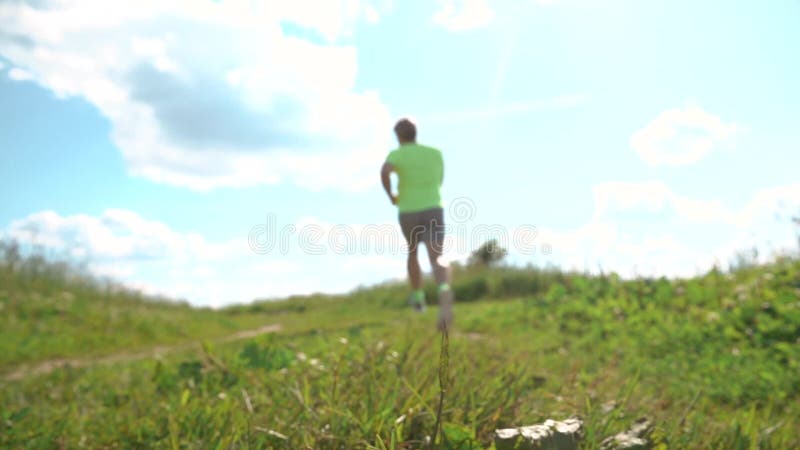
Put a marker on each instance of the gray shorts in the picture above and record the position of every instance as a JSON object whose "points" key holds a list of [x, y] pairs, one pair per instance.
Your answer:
{"points": [[423, 226]]}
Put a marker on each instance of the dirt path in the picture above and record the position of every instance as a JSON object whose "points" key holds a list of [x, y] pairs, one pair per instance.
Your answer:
{"points": [[45, 367]]}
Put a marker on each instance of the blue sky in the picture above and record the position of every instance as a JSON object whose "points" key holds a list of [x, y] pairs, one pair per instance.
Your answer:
{"points": [[149, 139]]}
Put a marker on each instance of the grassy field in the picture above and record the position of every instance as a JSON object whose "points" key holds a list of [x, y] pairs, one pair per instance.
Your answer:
{"points": [[50, 310], [714, 362]]}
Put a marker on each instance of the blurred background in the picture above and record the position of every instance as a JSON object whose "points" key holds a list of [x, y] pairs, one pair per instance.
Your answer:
{"points": [[148, 140]]}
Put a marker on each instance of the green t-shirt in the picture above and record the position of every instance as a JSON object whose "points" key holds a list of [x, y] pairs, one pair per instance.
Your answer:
{"points": [[420, 170]]}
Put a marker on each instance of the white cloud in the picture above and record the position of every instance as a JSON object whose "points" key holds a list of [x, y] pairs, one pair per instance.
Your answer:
{"points": [[212, 94], [681, 136], [151, 256], [116, 235], [670, 238], [463, 15], [332, 18], [781, 200], [636, 229], [117, 271], [17, 74], [655, 196]]}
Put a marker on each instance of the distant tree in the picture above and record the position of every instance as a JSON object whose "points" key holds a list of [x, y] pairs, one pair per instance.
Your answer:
{"points": [[796, 221], [489, 253], [744, 259], [9, 254]]}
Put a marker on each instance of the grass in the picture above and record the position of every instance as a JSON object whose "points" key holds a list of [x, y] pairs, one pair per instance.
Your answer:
{"points": [[713, 361], [53, 310]]}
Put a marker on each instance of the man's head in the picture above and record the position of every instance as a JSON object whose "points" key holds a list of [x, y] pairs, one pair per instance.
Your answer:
{"points": [[406, 131]]}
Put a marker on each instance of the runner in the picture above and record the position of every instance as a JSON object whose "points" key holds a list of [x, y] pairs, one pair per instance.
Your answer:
{"points": [[420, 171]]}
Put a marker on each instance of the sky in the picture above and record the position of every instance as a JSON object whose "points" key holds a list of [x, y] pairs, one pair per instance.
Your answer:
{"points": [[223, 151]]}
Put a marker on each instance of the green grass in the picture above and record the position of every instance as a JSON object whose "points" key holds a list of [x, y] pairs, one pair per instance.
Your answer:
{"points": [[51, 310], [713, 361]]}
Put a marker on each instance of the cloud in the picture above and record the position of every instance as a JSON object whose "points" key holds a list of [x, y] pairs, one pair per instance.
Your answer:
{"points": [[17, 74], [149, 255], [636, 229], [116, 235], [615, 197], [213, 94], [681, 136], [333, 19], [646, 229], [463, 15], [781, 200]]}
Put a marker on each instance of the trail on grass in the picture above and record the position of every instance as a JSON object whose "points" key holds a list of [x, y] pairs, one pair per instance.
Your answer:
{"points": [[47, 366]]}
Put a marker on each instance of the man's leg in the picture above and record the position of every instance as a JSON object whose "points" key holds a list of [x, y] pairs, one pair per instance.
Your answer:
{"points": [[442, 274], [409, 226], [414, 271], [441, 271], [417, 297]]}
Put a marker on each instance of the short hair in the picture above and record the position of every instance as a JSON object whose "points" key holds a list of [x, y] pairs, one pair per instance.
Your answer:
{"points": [[405, 130]]}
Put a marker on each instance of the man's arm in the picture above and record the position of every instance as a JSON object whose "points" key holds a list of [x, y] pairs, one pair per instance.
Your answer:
{"points": [[441, 174], [386, 179]]}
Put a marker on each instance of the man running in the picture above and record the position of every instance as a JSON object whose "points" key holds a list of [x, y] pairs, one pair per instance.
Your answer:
{"points": [[420, 171]]}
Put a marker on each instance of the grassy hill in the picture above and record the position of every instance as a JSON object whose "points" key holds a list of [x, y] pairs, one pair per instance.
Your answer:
{"points": [[713, 361], [54, 310]]}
